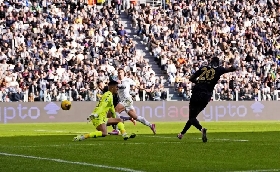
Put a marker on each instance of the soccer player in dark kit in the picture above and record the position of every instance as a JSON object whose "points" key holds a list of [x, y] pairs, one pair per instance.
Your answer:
{"points": [[205, 80]]}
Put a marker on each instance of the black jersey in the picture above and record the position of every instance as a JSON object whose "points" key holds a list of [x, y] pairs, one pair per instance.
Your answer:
{"points": [[207, 78]]}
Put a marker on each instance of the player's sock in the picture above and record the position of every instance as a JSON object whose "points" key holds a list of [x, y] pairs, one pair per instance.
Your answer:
{"points": [[93, 134], [143, 121], [187, 127], [121, 128], [118, 115], [115, 127], [125, 118]]}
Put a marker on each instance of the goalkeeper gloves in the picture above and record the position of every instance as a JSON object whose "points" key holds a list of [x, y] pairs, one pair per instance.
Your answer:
{"points": [[92, 116]]}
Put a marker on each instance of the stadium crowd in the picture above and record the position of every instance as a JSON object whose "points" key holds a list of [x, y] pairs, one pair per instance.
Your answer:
{"points": [[183, 35], [65, 48], [61, 49]]}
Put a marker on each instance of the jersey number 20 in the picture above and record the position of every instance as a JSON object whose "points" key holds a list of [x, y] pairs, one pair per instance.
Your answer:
{"points": [[207, 74]]}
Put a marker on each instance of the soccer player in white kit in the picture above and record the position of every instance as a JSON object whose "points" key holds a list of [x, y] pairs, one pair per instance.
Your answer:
{"points": [[126, 102]]}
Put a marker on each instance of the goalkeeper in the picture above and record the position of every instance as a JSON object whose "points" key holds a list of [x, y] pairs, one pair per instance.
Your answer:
{"points": [[99, 116]]}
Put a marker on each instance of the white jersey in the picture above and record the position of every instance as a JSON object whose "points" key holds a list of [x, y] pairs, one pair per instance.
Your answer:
{"points": [[124, 88]]}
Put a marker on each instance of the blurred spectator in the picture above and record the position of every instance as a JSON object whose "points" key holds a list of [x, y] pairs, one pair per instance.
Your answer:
{"points": [[183, 35]]}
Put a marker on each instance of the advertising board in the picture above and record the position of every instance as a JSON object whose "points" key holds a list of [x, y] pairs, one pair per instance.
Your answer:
{"points": [[155, 111]]}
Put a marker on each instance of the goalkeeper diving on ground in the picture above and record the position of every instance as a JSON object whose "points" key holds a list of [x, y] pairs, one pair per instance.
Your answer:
{"points": [[99, 116]]}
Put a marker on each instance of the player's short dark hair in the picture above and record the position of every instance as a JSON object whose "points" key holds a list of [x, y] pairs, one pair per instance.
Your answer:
{"points": [[111, 83], [215, 61]]}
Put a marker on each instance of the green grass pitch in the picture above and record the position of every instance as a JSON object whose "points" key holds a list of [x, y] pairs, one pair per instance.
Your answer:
{"points": [[231, 146]]}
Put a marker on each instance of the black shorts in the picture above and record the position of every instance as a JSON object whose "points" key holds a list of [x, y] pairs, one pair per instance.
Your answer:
{"points": [[198, 102]]}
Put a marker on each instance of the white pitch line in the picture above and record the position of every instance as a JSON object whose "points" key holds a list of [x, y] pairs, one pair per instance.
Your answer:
{"points": [[41, 130], [266, 170], [69, 162]]}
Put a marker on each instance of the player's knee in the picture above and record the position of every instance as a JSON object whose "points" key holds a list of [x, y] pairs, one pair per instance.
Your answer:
{"points": [[119, 120], [119, 109], [109, 115], [132, 113], [192, 114]]}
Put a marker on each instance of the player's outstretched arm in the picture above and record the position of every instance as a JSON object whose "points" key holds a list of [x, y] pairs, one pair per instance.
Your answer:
{"points": [[232, 68], [193, 78]]}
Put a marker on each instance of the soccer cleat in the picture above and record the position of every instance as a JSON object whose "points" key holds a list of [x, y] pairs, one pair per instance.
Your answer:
{"points": [[180, 136], [78, 138], [204, 137], [133, 121], [114, 132], [92, 117], [153, 128], [133, 135], [125, 136], [75, 139]]}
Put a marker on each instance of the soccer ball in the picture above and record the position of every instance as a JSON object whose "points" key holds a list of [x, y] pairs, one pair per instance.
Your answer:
{"points": [[65, 105]]}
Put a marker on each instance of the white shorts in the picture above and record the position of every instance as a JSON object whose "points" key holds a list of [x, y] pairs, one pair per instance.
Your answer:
{"points": [[127, 103]]}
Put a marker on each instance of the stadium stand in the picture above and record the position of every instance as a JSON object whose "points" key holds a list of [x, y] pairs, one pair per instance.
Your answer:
{"points": [[52, 51], [183, 35]]}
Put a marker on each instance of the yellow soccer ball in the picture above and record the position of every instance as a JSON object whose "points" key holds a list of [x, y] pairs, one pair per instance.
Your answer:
{"points": [[65, 105]]}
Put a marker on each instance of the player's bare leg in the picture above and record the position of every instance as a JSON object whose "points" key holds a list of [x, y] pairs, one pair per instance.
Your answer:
{"points": [[109, 115], [115, 127], [132, 114], [115, 131], [102, 130], [119, 123], [119, 109]]}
